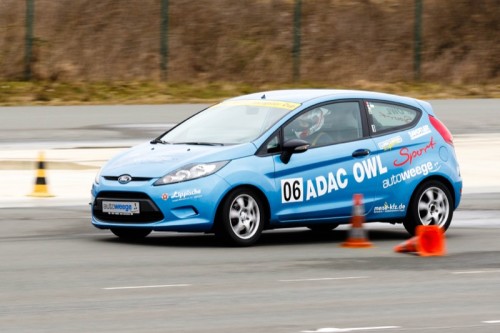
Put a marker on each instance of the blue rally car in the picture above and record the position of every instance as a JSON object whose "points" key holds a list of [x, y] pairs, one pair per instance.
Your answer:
{"points": [[279, 159]]}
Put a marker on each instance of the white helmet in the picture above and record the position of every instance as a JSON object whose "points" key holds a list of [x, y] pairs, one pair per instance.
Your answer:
{"points": [[310, 122]]}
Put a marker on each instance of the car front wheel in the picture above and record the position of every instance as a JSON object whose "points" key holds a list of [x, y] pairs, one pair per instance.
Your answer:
{"points": [[431, 204], [241, 218], [131, 234]]}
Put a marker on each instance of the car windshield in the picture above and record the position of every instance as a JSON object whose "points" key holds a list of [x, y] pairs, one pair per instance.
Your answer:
{"points": [[230, 122]]}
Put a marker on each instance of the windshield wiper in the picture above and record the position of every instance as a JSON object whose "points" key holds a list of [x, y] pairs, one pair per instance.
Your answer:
{"points": [[158, 140], [200, 143]]}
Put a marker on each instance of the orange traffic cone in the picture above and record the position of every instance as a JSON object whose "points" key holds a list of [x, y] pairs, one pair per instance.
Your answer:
{"points": [[357, 235], [429, 241], [40, 189]]}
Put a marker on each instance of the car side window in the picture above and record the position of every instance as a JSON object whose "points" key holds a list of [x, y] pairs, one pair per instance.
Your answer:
{"points": [[343, 122], [327, 124], [273, 145], [386, 117]]}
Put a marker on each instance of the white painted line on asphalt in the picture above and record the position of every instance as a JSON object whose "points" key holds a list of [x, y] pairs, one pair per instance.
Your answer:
{"points": [[144, 287], [477, 272], [491, 322], [326, 279], [353, 329]]}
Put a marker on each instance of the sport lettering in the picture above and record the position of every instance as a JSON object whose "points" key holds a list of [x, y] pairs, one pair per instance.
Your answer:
{"points": [[408, 155]]}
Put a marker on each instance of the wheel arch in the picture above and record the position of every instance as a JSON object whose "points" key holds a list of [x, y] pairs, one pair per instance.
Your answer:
{"points": [[442, 180], [258, 191], [412, 219]]}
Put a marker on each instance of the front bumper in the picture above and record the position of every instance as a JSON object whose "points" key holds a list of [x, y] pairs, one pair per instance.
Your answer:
{"points": [[186, 206]]}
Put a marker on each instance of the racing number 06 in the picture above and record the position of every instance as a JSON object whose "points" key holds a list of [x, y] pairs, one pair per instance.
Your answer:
{"points": [[291, 190]]}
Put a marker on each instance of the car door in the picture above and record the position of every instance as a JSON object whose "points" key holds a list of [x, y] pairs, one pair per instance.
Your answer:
{"points": [[319, 184]]}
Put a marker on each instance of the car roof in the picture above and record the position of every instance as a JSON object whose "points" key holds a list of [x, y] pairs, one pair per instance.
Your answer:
{"points": [[318, 95]]}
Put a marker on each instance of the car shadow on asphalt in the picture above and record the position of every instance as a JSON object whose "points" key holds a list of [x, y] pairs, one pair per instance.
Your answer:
{"points": [[279, 237]]}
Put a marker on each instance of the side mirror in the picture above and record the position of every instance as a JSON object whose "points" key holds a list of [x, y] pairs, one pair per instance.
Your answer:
{"points": [[294, 146]]}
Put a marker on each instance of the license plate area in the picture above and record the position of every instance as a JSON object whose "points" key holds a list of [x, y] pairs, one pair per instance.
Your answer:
{"points": [[121, 207]]}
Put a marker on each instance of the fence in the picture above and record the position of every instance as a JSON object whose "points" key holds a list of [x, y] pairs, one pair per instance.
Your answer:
{"points": [[278, 41]]}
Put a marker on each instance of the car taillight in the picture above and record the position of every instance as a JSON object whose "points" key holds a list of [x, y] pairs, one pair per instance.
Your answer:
{"points": [[439, 126]]}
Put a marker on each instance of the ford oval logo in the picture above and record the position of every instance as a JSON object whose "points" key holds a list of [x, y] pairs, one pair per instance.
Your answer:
{"points": [[124, 179]]}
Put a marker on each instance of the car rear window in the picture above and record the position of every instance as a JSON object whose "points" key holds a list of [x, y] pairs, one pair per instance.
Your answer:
{"points": [[387, 117]]}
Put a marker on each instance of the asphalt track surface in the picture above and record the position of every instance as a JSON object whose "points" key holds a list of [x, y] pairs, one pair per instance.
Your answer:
{"points": [[123, 124], [59, 274]]}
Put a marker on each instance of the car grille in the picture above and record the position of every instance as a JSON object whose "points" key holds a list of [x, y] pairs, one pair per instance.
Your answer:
{"points": [[133, 179], [149, 212]]}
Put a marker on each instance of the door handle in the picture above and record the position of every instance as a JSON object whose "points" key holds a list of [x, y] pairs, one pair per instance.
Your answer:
{"points": [[361, 153]]}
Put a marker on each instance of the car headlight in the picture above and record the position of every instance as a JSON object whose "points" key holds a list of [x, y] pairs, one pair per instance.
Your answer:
{"points": [[189, 172], [98, 177]]}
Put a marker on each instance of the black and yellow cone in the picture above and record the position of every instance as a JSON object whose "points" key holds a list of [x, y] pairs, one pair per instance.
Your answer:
{"points": [[41, 188]]}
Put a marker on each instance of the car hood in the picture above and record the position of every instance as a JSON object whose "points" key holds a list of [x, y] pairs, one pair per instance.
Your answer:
{"points": [[155, 160]]}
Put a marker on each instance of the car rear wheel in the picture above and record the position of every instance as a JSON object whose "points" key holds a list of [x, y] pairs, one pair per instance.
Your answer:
{"points": [[241, 218], [131, 234], [431, 204]]}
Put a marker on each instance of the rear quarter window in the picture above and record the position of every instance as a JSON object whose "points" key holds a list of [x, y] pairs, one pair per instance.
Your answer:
{"points": [[386, 117]]}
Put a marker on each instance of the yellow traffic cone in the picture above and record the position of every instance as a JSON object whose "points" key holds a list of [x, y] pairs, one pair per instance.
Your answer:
{"points": [[40, 189]]}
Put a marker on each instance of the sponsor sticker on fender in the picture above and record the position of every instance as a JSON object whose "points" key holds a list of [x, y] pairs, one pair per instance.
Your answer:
{"points": [[423, 169], [419, 132], [389, 208], [390, 143], [183, 195]]}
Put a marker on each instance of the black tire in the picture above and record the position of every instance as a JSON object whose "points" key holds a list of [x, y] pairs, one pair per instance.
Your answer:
{"points": [[322, 227], [431, 204], [131, 234], [241, 218]]}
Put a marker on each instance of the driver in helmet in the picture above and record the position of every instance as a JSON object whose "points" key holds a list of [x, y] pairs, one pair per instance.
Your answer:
{"points": [[307, 127]]}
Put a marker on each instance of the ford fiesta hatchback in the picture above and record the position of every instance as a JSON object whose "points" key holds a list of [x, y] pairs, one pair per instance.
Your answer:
{"points": [[279, 159]]}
